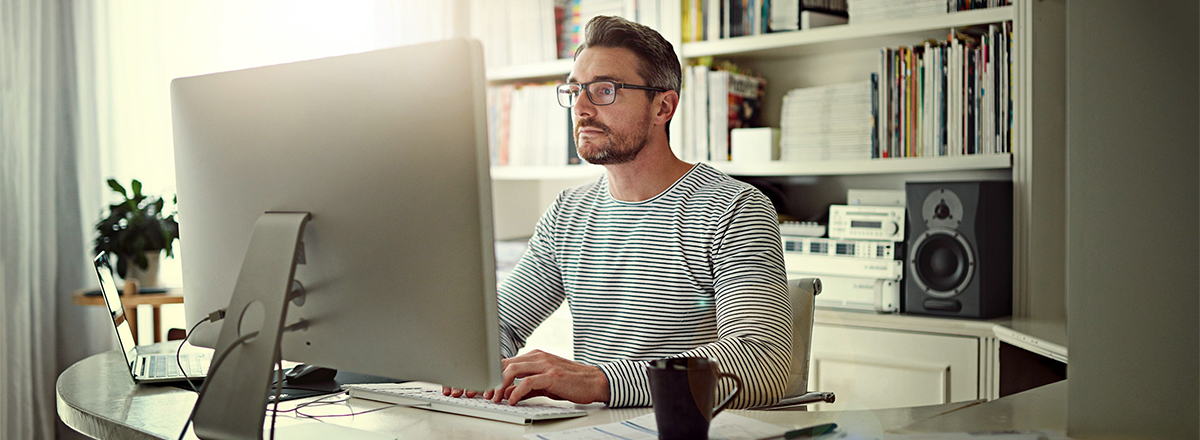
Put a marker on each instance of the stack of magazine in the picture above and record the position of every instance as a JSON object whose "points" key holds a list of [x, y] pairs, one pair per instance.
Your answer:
{"points": [[867, 11], [827, 123], [947, 98], [714, 102]]}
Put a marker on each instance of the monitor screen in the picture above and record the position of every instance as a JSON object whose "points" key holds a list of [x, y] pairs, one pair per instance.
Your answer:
{"points": [[112, 298], [388, 152]]}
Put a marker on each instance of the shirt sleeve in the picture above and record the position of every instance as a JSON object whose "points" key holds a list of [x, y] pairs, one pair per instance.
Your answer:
{"points": [[754, 325], [533, 290]]}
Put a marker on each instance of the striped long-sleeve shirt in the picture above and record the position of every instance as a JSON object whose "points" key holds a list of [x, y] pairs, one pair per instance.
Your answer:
{"points": [[694, 271]]}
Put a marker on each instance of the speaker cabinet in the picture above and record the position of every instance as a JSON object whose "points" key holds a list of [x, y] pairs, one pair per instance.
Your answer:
{"points": [[959, 249]]}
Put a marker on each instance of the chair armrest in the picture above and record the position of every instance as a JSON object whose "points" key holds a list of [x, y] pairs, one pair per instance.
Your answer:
{"points": [[795, 402]]}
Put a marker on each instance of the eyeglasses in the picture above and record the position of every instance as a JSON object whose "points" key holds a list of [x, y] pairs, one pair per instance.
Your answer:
{"points": [[598, 92]]}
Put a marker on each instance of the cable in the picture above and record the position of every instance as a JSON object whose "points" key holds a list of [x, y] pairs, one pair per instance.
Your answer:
{"points": [[278, 386], [212, 370], [179, 350], [324, 402]]}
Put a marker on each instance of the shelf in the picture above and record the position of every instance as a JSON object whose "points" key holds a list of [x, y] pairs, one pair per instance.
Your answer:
{"points": [[844, 37], [549, 69], [868, 166], [814, 168], [563, 172], [783, 44]]}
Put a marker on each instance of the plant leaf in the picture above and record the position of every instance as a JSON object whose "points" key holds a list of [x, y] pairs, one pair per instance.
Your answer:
{"points": [[137, 189], [112, 183]]}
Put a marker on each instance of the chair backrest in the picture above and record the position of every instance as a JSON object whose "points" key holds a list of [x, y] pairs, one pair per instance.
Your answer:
{"points": [[801, 294]]}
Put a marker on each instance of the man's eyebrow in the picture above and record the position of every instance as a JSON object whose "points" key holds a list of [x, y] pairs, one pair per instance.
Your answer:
{"points": [[571, 79]]}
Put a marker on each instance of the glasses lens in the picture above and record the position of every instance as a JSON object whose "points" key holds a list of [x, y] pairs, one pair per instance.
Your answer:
{"points": [[568, 94], [602, 93]]}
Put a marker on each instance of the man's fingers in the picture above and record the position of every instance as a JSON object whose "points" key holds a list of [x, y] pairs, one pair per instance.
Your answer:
{"points": [[525, 388], [512, 372], [458, 392]]}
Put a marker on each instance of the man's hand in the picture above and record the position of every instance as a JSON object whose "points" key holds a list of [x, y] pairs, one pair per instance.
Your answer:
{"points": [[458, 392], [544, 374]]}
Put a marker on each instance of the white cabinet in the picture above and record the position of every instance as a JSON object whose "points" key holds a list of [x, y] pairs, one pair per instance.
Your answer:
{"points": [[886, 361], [872, 369]]}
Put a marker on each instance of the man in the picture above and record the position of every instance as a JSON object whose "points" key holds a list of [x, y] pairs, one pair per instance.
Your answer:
{"points": [[658, 258]]}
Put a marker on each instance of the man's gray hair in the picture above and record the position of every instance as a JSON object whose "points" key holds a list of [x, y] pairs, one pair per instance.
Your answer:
{"points": [[659, 66]]}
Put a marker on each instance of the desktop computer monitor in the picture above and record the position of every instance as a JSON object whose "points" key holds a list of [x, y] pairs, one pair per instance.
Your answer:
{"points": [[388, 152]]}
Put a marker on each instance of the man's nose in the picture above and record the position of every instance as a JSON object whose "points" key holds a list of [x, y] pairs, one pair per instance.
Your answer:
{"points": [[583, 107]]}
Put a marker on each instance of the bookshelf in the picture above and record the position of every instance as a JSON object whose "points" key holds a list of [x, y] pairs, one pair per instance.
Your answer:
{"points": [[868, 166], [845, 37], [529, 72], [814, 168], [850, 52]]}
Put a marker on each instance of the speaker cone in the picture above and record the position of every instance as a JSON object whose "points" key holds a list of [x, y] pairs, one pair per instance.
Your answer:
{"points": [[942, 262]]}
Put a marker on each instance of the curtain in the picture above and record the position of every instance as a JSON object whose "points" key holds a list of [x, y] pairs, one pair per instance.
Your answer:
{"points": [[83, 97], [137, 47], [40, 242]]}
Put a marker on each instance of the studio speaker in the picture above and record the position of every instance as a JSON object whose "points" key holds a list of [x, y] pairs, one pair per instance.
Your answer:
{"points": [[959, 249]]}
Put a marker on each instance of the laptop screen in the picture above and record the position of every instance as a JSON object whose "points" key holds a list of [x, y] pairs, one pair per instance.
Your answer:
{"points": [[109, 288]]}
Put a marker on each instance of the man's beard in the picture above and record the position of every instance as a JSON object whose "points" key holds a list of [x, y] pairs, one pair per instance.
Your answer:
{"points": [[620, 148]]}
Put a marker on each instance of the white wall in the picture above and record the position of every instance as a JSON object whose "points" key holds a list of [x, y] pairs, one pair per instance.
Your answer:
{"points": [[1133, 246]]}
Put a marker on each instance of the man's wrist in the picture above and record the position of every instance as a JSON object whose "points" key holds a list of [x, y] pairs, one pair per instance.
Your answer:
{"points": [[601, 386]]}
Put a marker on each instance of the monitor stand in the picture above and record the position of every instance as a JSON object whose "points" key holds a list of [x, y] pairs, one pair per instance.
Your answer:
{"points": [[232, 402]]}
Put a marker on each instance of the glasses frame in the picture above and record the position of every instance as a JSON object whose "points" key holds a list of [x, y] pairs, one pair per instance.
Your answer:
{"points": [[587, 90]]}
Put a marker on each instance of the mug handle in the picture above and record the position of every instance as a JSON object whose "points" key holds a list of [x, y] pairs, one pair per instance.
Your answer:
{"points": [[737, 389]]}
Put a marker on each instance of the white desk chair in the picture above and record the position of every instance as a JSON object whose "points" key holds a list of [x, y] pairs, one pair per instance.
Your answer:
{"points": [[801, 295]]}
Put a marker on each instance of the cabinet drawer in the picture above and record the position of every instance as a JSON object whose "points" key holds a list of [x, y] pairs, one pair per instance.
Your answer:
{"points": [[871, 369]]}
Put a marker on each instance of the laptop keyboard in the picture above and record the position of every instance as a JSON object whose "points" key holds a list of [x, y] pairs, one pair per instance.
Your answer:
{"points": [[164, 365]]}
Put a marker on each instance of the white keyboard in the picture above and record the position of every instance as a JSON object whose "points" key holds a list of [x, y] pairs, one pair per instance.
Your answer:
{"points": [[522, 413]]}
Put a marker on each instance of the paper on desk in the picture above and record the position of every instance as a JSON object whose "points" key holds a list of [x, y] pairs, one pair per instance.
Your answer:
{"points": [[725, 426]]}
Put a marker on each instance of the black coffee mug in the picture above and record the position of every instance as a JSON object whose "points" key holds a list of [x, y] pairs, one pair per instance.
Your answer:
{"points": [[683, 391]]}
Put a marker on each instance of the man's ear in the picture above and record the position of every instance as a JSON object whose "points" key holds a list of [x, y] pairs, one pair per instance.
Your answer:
{"points": [[665, 105]]}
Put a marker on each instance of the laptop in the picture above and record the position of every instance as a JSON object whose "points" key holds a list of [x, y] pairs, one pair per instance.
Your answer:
{"points": [[146, 367]]}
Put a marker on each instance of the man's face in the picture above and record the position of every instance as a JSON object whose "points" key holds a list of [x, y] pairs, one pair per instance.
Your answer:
{"points": [[614, 133]]}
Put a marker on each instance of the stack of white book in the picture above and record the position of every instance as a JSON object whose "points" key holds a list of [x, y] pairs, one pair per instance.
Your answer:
{"points": [[866, 11], [827, 123]]}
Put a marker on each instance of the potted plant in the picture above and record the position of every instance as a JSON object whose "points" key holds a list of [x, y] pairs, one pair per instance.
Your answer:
{"points": [[135, 232]]}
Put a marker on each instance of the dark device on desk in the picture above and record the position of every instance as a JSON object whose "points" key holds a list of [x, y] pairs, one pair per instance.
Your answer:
{"points": [[307, 374], [959, 249]]}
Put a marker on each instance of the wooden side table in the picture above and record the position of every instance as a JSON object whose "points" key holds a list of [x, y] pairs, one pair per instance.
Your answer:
{"points": [[131, 302]]}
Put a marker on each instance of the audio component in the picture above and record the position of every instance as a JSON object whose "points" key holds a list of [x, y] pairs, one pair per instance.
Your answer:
{"points": [[959, 249], [844, 266], [875, 197], [883, 250], [861, 222], [803, 229], [858, 294]]}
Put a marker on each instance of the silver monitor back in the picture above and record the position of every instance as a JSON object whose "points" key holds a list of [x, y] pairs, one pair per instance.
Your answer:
{"points": [[388, 151]]}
